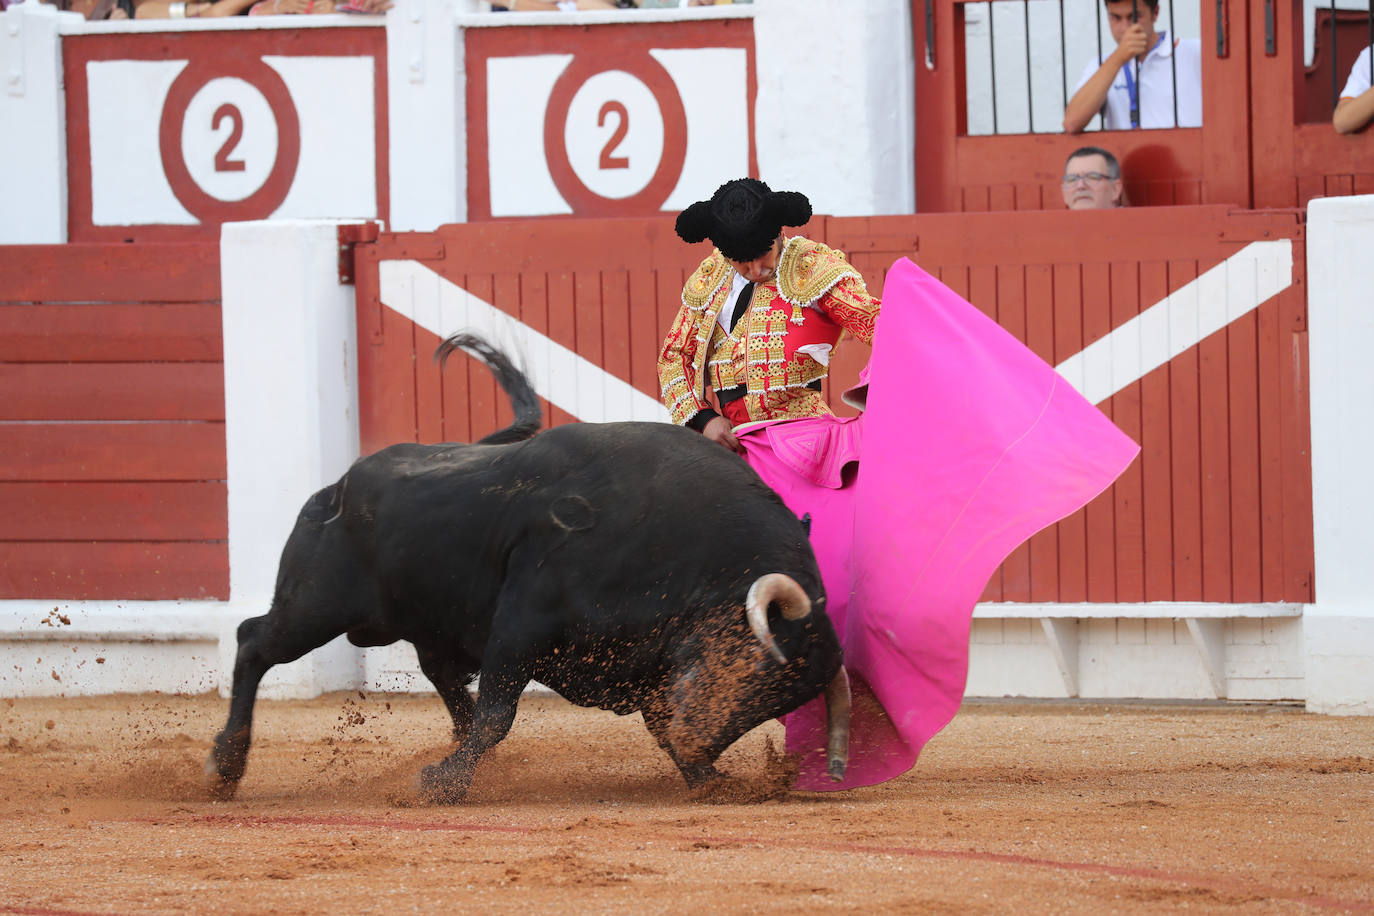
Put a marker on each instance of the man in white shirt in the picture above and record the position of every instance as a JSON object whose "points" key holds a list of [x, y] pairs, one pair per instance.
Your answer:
{"points": [[1356, 105], [1133, 86]]}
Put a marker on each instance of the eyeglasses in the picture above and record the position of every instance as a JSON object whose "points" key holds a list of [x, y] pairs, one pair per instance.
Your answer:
{"points": [[1072, 179]]}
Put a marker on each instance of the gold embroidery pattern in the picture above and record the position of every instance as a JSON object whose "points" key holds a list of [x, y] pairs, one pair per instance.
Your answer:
{"points": [[701, 287], [807, 270]]}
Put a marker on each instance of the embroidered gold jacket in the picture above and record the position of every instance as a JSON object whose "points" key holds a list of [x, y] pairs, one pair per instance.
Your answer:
{"points": [[815, 295]]}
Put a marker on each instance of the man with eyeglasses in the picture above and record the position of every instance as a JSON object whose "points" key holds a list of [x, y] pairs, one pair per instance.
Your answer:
{"points": [[1134, 85], [1092, 180]]}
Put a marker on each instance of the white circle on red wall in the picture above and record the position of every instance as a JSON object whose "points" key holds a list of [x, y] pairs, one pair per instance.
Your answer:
{"points": [[613, 134], [229, 138]]}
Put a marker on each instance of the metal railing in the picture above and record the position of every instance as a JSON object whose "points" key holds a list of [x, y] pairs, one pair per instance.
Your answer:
{"points": [[1006, 41], [1340, 75]]}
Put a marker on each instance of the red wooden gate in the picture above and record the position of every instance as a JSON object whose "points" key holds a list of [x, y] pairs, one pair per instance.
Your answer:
{"points": [[112, 467], [1218, 506]]}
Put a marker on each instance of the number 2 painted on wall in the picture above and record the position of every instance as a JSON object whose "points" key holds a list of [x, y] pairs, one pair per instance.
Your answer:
{"points": [[617, 136], [222, 161]]}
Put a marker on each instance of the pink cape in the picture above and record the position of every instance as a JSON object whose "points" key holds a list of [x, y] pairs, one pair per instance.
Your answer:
{"points": [[970, 444]]}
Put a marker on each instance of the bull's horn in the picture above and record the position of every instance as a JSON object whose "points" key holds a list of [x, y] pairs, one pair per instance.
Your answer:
{"points": [[837, 725], [790, 598]]}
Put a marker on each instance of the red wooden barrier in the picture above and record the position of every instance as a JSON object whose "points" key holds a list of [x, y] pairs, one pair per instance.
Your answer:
{"points": [[112, 458], [1218, 507]]}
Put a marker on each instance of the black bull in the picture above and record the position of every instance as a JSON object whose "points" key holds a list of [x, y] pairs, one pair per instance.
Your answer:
{"points": [[630, 566]]}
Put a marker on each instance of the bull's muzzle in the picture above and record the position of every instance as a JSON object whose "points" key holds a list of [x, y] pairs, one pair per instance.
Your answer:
{"points": [[779, 589]]}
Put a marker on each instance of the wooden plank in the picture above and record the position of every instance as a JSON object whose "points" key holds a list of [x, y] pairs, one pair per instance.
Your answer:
{"points": [[534, 312], [112, 451], [588, 325], [645, 340], [394, 394], [562, 326], [483, 392], [1068, 340], [506, 297], [1002, 197], [615, 336], [113, 511], [1100, 515], [982, 293], [129, 332], [96, 570], [1243, 410], [1271, 346], [1029, 197], [171, 272], [429, 386], [1015, 572], [1186, 464], [1297, 434], [1214, 455], [1155, 462], [112, 391], [1044, 546], [1125, 410]]}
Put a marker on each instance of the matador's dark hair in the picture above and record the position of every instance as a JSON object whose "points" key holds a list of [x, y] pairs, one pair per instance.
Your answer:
{"points": [[743, 218]]}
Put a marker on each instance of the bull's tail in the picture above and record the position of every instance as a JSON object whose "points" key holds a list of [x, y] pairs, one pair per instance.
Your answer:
{"points": [[524, 401]]}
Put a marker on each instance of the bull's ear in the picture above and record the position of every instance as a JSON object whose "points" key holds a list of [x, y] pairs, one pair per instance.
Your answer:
{"points": [[695, 223]]}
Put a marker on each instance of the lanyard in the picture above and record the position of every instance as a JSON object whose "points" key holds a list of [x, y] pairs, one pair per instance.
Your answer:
{"points": [[1133, 90]]}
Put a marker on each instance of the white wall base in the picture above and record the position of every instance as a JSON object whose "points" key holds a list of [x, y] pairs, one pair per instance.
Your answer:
{"points": [[1340, 672], [1155, 658]]}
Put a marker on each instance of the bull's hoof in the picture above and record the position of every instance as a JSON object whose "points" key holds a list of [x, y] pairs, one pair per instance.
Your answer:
{"points": [[436, 785], [222, 779], [219, 786]]}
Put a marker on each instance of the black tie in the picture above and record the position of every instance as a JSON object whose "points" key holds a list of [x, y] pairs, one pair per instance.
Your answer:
{"points": [[741, 305]]}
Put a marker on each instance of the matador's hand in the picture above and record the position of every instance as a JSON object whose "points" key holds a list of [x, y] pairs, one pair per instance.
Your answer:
{"points": [[718, 430]]}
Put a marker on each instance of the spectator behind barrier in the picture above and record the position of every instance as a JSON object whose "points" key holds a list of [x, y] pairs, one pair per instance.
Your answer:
{"points": [[1356, 105], [567, 6], [1133, 86], [1092, 180], [91, 9]]}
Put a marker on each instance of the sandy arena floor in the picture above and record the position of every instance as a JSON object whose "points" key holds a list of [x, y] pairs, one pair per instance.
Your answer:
{"points": [[1016, 807]]}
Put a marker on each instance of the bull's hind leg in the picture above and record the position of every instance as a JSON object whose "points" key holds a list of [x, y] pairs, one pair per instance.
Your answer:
{"points": [[263, 643], [448, 781]]}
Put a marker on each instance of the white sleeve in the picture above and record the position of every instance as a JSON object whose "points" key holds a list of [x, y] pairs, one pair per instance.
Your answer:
{"points": [[1358, 83], [1088, 72]]}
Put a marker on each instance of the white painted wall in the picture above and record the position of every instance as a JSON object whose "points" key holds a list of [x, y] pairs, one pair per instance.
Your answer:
{"points": [[835, 113], [33, 183], [1339, 629]]}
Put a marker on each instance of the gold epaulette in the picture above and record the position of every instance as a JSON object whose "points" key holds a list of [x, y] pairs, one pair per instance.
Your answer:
{"points": [[807, 270], [705, 280]]}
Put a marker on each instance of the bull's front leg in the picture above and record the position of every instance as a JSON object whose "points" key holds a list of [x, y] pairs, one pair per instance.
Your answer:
{"points": [[229, 755], [448, 781], [695, 769]]}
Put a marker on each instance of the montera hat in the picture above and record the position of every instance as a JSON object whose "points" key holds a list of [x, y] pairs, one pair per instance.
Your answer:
{"points": [[743, 218]]}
